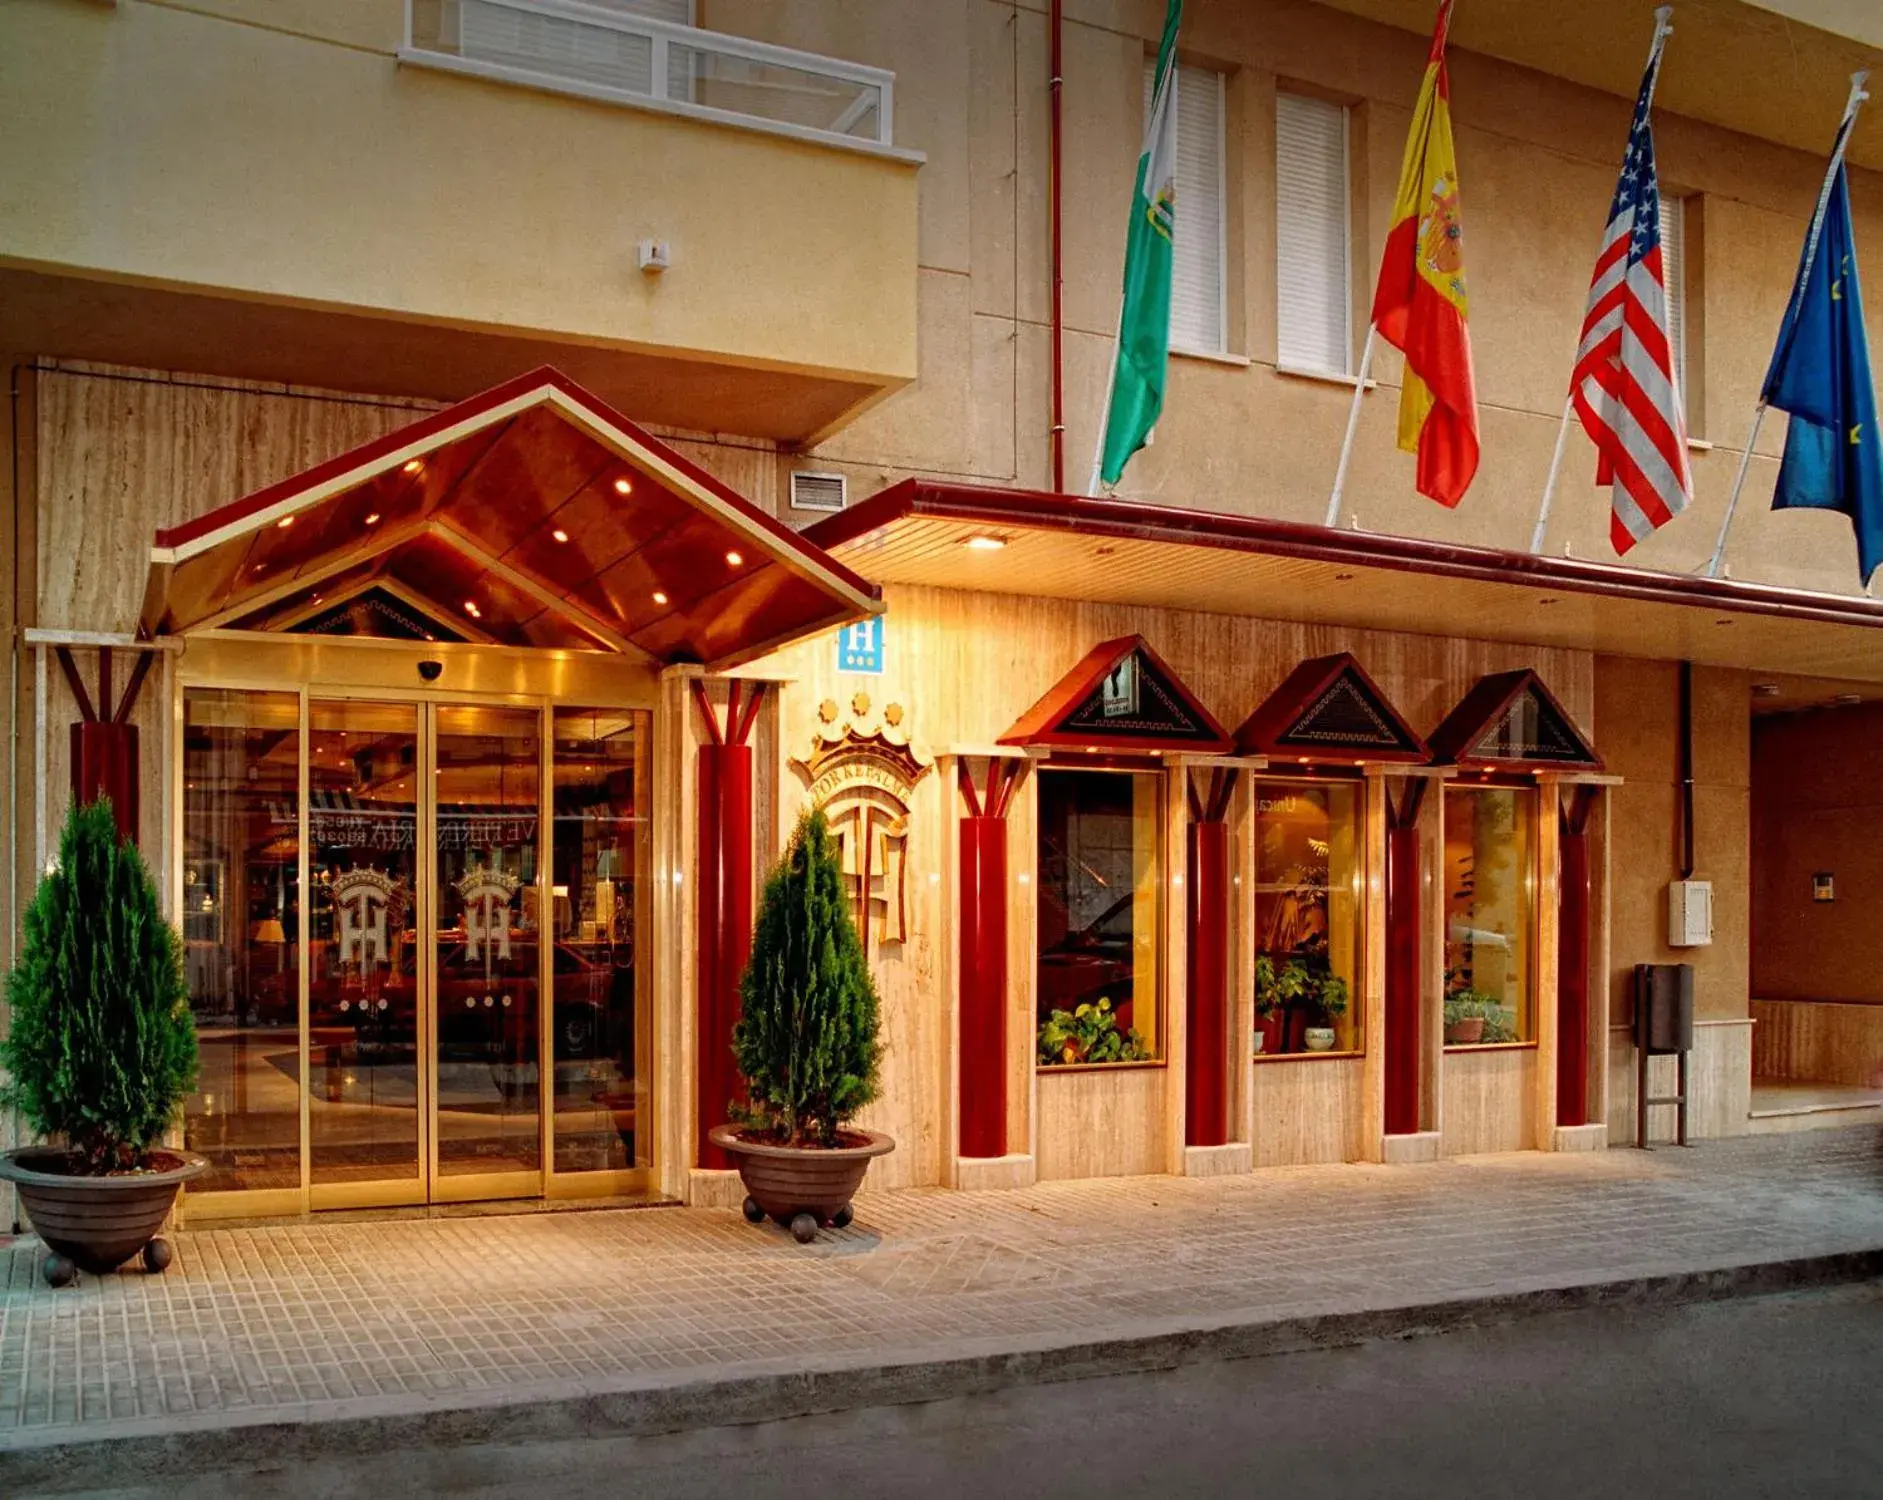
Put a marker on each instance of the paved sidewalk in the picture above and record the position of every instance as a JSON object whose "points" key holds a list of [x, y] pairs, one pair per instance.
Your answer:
{"points": [[313, 1321]]}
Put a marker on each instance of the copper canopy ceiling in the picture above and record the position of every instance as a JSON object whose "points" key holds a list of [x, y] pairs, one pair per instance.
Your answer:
{"points": [[531, 515]]}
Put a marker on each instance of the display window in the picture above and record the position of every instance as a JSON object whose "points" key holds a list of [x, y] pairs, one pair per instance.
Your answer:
{"points": [[1100, 883], [1310, 882], [1490, 915]]}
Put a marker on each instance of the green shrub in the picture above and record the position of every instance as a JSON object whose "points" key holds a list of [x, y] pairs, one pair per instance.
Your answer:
{"points": [[102, 1047], [806, 1042]]}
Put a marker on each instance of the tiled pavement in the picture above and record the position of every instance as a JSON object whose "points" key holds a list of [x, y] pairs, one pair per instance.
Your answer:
{"points": [[323, 1319]]}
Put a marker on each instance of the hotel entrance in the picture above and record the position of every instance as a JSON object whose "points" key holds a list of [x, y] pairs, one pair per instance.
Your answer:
{"points": [[412, 930]]}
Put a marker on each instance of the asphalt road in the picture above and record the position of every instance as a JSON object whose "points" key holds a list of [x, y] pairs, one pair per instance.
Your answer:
{"points": [[1779, 1396]]}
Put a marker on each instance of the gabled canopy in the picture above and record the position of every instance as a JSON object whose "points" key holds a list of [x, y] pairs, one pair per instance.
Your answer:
{"points": [[1511, 721], [1122, 697], [1329, 709], [532, 515]]}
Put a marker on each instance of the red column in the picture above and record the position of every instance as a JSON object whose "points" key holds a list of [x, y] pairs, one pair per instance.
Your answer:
{"points": [[1403, 929], [724, 902], [1206, 1074], [104, 764], [983, 965], [1572, 970]]}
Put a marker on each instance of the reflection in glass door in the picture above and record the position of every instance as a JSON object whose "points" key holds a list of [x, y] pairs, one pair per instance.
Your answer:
{"points": [[489, 916], [363, 1000]]}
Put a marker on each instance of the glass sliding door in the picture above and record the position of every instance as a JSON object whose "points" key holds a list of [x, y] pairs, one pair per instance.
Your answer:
{"points": [[413, 981], [601, 1036], [241, 922], [365, 1083], [489, 906]]}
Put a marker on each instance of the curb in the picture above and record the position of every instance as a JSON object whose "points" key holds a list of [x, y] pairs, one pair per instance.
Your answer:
{"points": [[643, 1406]]}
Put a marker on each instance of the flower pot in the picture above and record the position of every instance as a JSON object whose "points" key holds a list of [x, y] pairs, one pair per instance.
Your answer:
{"points": [[1260, 1038], [1464, 1033], [96, 1223], [1319, 1038], [802, 1187]]}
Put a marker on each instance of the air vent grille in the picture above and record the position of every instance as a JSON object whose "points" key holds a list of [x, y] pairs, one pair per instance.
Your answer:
{"points": [[811, 491]]}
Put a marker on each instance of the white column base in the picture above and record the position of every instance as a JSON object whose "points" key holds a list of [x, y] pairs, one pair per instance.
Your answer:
{"points": [[710, 1189], [1404, 1150], [1231, 1160], [1579, 1138], [986, 1174]]}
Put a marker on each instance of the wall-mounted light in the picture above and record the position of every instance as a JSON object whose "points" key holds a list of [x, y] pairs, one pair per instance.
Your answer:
{"points": [[734, 560], [560, 535], [411, 466], [985, 543], [624, 486]]}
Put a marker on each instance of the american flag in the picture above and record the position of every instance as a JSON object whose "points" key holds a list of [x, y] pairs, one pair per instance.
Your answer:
{"points": [[1624, 386]]}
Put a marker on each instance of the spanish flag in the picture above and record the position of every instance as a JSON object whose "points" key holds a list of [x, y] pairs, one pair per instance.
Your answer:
{"points": [[1419, 306]]}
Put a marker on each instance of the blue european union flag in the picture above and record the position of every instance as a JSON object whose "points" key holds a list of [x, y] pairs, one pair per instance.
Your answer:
{"points": [[1821, 374]]}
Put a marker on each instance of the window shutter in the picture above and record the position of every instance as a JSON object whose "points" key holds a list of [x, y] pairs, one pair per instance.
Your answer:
{"points": [[679, 12], [1313, 273], [1197, 319], [1674, 265]]}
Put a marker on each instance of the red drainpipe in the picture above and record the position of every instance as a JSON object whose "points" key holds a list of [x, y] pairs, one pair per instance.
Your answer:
{"points": [[1055, 81]]}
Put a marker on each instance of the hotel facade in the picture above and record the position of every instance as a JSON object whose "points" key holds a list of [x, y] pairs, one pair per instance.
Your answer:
{"points": [[477, 469]]}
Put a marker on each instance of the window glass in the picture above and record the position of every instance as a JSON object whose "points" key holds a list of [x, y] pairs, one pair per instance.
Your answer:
{"points": [[1309, 887], [241, 921], [1099, 878], [1198, 315], [1674, 271], [601, 887], [1490, 914], [1313, 270]]}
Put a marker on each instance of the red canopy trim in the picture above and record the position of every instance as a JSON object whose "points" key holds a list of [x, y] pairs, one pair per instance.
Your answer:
{"points": [[1329, 709], [1511, 721], [1121, 697]]}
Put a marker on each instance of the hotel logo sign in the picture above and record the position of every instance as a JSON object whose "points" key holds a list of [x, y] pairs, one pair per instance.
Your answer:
{"points": [[361, 899], [862, 773], [487, 895]]}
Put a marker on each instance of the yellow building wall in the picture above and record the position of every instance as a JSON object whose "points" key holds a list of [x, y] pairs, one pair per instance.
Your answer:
{"points": [[278, 151]]}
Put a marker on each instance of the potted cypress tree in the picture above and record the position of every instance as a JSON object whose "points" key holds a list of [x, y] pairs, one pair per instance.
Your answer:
{"points": [[101, 1052], [806, 1045]]}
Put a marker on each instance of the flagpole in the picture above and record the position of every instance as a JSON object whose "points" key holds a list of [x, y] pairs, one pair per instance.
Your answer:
{"points": [[1549, 485], [1111, 389], [1353, 421], [1851, 105]]}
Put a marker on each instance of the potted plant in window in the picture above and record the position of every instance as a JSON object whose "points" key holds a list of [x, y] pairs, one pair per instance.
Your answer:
{"points": [[1325, 994], [101, 1052], [806, 1045], [1466, 1015], [1088, 1034]]}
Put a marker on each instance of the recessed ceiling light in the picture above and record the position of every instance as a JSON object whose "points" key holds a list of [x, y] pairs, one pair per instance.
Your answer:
{"points": [[624, 486], [1847, 700], [659, 597], [734, 560], [372, 518], [471, 609], [1343, 578], [1722, 621], [1765, 690], [560, 535], [411, 466], [985, 543], [1546, 601], [284, 523]]}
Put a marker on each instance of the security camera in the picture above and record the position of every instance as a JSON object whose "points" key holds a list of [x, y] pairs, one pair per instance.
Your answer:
{"points": [[431, 670]]}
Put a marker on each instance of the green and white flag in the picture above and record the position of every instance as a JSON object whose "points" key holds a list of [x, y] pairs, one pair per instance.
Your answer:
{"points": [[1137, 383]]}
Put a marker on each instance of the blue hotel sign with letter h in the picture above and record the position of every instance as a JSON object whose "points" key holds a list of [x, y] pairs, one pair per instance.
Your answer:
{"points": [[860, 647]]}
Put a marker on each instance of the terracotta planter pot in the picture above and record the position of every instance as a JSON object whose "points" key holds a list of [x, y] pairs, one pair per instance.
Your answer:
{"points": [[96, 1223], [1464, 1033], [803, 1188]]}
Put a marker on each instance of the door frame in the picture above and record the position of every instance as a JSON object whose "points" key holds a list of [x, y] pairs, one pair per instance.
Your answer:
{"points": [[371, 670]]}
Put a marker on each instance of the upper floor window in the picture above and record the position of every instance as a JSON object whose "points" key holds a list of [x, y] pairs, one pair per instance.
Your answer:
{"points": [[1313, 254], [1674, 267], [1199, 320]]}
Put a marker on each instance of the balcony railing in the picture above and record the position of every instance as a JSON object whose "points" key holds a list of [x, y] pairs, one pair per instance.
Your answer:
{"points": [[591, 49]]}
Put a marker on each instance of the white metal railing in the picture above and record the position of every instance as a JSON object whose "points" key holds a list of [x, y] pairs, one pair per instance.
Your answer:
{"points": [[596, 50]]}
